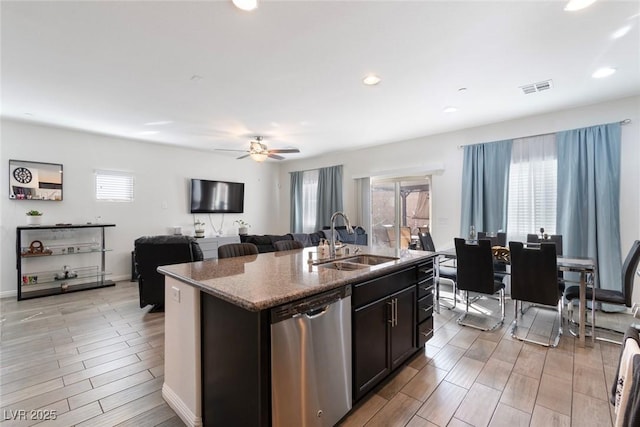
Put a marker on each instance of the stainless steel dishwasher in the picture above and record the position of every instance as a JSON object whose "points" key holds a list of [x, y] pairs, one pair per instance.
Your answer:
{"points": [[311, 360]]}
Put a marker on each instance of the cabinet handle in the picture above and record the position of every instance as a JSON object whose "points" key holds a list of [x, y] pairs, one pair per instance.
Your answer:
{"points": [[395, 312], [390, 319]]}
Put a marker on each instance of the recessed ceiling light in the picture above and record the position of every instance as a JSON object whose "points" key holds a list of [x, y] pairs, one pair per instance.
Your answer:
{"points": [[574, 5], [246, 4], [148, 132], [603, 72], [371, 80], [450, 110], [158, 123]]}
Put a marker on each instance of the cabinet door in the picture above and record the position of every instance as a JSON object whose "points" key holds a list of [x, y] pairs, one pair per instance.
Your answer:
{"points": [[370, 344], [403, 330]]}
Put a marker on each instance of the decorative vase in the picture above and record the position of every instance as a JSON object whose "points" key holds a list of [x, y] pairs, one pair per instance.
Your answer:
{"points": [[243, 231], [34, 219]]}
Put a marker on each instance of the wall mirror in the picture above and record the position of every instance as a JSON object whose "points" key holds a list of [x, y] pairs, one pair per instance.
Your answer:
{"points": [[35, 180]]}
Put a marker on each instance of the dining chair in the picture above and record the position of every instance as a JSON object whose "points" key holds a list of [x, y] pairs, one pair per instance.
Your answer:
{"points": [[446, 273], [500, 239], [231, 250], [287, 245], [534, 279], [557, 240], [609, 296], [475, 274]]}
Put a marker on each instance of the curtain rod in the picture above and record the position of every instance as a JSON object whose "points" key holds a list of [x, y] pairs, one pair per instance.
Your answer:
{"points": [[622, 122]]}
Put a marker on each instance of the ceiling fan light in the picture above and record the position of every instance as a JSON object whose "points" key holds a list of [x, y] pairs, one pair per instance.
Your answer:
{"points": [[246, 4], [574, 5], [258, 157]]}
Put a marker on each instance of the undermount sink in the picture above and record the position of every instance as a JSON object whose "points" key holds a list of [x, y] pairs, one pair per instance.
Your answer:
{"points": [[357, 262], [369, 259], [343, 265]]}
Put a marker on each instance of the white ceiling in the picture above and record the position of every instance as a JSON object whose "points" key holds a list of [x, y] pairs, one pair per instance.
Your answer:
{"points": [[292, 70]]}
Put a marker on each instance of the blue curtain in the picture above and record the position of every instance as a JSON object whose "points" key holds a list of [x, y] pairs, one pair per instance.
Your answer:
{"points": [[329, 194], [296, 202], [485, 186], [588, 212]]}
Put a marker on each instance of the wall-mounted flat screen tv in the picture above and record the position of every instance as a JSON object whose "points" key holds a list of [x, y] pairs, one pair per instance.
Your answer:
{"points": [[216, 196]]}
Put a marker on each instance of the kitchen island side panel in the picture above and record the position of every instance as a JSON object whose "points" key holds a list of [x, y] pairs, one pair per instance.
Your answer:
{"points": [[236, 364]]}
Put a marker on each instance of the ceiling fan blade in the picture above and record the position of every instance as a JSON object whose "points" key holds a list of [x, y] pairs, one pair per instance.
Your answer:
{"points": [[242, 157], [275, 156], [227, 149], [285, 150]]}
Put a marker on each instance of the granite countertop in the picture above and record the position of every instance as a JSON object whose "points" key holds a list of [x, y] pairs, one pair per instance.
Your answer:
{"points": [[259, 282]]}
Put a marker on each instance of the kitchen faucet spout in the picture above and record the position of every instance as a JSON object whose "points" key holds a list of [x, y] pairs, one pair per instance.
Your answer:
{"points": [[332, 241]]}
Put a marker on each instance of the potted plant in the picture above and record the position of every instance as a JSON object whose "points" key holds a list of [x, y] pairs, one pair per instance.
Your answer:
{"points": [[243, 226], [34, 217], [199, 226]]}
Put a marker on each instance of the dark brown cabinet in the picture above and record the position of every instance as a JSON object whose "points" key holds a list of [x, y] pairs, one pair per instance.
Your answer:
{"points": [[424, 327], [403, 330], [384, 330]]}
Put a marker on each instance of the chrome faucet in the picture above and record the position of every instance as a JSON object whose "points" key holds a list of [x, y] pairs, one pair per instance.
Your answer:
{"points": [[332, 242]]}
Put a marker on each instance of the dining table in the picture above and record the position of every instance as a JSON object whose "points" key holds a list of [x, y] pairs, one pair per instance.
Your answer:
{"points": [[585, 267]]}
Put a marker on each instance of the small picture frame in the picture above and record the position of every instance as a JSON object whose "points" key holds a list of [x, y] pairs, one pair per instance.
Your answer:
{"points": [[71, 250]]}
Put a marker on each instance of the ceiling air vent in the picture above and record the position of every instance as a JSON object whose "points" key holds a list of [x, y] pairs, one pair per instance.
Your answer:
{"points": [[537, 87]]}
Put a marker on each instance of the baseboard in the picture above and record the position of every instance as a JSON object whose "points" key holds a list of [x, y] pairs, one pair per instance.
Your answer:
{"points": [[172, 399], [9, 294]]}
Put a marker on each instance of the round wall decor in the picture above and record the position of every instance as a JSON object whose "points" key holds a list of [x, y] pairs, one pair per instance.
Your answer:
{"points": [[22, 175]]}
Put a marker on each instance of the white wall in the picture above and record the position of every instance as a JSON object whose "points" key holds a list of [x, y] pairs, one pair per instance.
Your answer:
{"points": [[161, 189], [442, 150], [162, 171]]}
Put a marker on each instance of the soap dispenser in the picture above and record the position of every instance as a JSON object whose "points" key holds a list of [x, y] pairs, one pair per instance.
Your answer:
{"points": [[323, 249]]}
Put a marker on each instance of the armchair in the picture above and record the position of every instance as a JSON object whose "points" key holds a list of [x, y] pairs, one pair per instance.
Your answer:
{"points": [[154, 251]]}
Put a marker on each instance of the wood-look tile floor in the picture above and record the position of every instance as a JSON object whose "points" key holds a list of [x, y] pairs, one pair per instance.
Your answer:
{"points": [[94, 358], [466, 377]]}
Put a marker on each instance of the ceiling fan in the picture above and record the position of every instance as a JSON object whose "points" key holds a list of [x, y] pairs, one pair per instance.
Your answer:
{"points": [[259, 151]]}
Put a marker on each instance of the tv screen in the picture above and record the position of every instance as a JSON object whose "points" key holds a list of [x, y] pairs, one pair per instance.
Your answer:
{"points": [[216, 196]]}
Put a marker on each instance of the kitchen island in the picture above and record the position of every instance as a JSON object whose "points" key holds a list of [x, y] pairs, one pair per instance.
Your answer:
{"points": [[218, 315]]}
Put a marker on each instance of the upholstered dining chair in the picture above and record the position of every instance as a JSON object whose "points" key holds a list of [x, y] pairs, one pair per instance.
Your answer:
{"points": [[500, 239], [534, 279], [475, 274], [445, 272], [557, 240], [231, 250], [287, 245], [609, 296]]}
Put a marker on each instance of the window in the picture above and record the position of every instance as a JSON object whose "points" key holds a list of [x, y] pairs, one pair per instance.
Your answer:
{"points": [[532, 186], [309, 200], [114, 186]]}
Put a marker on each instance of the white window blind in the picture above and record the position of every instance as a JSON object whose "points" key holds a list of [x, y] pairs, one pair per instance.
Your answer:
{"points": [[532, 186], [114, 186]]}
